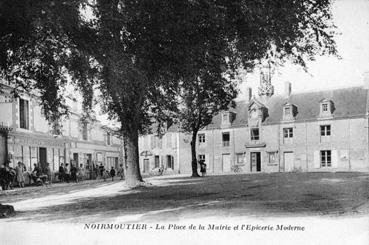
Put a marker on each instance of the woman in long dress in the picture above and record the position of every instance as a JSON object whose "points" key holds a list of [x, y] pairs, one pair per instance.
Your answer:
{"points": [[19, 170]]}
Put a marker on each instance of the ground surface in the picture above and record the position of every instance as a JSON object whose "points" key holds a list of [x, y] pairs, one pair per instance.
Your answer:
{"points": [[174, 198]]}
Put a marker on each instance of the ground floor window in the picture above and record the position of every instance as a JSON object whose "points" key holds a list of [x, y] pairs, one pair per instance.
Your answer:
{"points": [[240, 158], [272, 157], [326, 158]]}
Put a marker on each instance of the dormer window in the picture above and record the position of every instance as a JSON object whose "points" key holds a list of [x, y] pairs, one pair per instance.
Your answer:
{"points": [[326, 108], [225, 118], [289, 111]]}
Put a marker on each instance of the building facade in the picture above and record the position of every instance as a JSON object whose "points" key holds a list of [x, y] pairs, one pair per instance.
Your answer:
{"points": [[27, 136], [313, 131]]}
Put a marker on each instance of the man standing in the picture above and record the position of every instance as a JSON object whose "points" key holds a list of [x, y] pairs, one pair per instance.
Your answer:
{"points": [[61, 173]]}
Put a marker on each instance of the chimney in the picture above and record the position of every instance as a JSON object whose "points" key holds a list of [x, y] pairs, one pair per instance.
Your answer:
{"points": [[248, 94], [366, 79], [287, 89]]}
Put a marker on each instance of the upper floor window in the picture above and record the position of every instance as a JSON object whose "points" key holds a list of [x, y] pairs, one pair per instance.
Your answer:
{"points": [[326, 158], [24, 113], [201, 138], [84, 131], [325, 130], [287, 111], [108, 138], [288, 133], [254, 134], [202, 158], [225, 139]]}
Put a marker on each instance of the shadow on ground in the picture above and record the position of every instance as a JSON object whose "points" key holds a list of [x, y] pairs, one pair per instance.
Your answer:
{"points": [[177, 198]]}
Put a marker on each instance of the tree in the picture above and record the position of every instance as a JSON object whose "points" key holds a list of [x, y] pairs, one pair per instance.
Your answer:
{"points": [[230, 35], [140, 54]]}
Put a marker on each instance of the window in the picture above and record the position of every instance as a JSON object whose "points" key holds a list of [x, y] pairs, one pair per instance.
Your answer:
{"points": [[324, 107], [288, 133], [254, 134], [326, 158], [225, 139], [271, 157], [108, 139], [201, 138], [239, 158], [24, 114], [325, 130], [202, 157], [287, 111], [225, 118], [84, 131]]}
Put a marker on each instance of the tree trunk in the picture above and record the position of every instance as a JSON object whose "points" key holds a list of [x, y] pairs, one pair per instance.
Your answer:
{"points": [[132, 161], [193, 154]]}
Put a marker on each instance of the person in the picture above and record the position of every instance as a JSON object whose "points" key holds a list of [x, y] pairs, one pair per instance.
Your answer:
{"points": [[112, 173], [7, 175], [81, 172], [121, 172], [66, 173], [36, 173], [61, 173], [161, 170], [202, 168], [48, 172], [73, 173], [19, 170], [101, 169]]}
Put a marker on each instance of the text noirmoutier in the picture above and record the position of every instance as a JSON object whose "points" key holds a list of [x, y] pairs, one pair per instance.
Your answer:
{"points": [[208, 227]]}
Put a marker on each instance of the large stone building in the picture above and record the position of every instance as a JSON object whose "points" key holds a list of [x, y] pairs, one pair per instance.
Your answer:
{"points": [[311, 131], [26, 136]]}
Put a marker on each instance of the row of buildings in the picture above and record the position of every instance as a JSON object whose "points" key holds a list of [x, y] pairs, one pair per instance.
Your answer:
{"points": [[312, 131], [26, 136]]}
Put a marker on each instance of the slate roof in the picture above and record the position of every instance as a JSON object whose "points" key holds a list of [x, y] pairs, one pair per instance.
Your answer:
{"points": [[348, 102]]}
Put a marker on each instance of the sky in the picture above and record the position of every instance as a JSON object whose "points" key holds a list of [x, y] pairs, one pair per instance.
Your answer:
{"points": [[352, 20]]}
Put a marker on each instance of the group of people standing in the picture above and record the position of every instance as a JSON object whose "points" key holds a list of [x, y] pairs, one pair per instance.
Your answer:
{"points": [[9, 175], [72, 173], [41, 176], [75, 173], [104, 174]]}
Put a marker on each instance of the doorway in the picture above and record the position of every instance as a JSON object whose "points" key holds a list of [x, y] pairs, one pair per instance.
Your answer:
{"points": [[146, 165], [43, 157], [157, 162], [255, 162], [288, 161], [226, 162], [170, 161]]}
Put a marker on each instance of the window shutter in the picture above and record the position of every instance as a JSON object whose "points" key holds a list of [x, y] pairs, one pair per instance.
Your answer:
{"points": [[316, 159], [334, 159]]}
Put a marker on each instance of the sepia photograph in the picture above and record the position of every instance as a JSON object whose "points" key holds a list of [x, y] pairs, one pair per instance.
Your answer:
{"points": [[184, 121]]}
